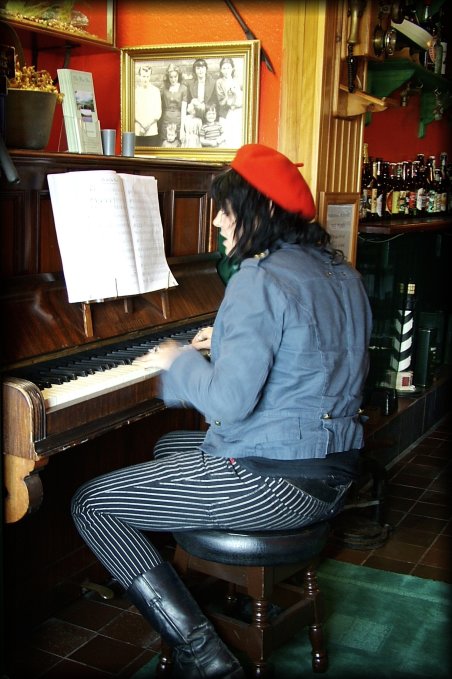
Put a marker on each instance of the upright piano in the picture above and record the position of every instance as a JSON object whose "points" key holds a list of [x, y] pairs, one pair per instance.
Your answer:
{"points": [[67, 369]]}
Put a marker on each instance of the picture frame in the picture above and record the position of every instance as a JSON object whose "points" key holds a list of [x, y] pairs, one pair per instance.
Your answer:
{"points": [[82, 21], [339, 215], [228, 96]]}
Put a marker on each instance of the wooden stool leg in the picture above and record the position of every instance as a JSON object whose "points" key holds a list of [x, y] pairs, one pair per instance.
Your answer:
{"points": [[319, 652], [259, 619]]}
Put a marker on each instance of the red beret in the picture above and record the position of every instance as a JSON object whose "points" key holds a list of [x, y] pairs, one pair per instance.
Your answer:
{"points": [[274, 175]]}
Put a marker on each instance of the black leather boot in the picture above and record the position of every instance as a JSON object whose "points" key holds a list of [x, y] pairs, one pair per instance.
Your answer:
{"points": [[162, 598]]}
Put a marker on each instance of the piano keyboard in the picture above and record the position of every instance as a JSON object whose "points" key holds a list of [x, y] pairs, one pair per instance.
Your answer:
{"points": [[93, 373]]}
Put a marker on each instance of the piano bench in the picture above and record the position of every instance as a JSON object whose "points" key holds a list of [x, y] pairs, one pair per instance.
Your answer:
{"points": [[265, 603]]}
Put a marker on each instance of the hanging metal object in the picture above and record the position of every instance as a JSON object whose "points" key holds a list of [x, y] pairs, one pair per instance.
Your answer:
{"points": [[250, 35]]}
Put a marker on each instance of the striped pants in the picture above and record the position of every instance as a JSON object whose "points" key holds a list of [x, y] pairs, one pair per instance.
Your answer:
{"points": [[182, 489]]}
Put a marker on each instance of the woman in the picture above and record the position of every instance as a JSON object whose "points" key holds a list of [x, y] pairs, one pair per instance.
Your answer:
{"points": [[282, 394], [230, 102], [174, 102]]}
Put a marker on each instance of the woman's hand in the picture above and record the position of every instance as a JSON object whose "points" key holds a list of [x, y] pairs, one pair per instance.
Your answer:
{"points": [[161, 358], [202, 339]]}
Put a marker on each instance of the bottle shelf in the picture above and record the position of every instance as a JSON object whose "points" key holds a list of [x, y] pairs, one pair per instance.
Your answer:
{"points": [[387, 76], [396, 226]]}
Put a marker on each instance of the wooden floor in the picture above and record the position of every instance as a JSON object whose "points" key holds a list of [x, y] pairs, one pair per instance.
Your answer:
{"points": [[98, 639]]}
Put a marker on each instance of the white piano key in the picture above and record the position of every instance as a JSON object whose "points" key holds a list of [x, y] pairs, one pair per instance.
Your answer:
{"points": [[83, 388]]}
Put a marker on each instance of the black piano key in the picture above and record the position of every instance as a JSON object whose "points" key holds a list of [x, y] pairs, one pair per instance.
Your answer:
{"points": [[83, 369], [97, 367], [126, 356], [118, 360], [64, 372], [98, 360], [48, 378]]}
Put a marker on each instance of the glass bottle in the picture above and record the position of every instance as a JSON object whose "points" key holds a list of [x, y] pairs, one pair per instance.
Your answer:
{"points": [[376, 196], [403, 205], [379, 189], [446, 183], [430, 187], [367, 180], [396, 177], [387, 191], [420, 184], [427, 24], [411, 191]]}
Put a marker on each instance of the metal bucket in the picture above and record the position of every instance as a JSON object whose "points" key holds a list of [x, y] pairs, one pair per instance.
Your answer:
{"points": [[28, 118]]}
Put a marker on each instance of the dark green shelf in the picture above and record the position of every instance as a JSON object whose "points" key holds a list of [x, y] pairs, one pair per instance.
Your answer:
{"points": [[385, 77]]}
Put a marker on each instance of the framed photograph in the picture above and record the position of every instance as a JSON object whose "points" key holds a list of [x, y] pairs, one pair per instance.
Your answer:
{"points": [[83, 20], [194, 101], [339, 215]]}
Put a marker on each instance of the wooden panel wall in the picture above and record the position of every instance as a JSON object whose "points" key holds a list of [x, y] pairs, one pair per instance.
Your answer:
{"points": [[330, 147]]}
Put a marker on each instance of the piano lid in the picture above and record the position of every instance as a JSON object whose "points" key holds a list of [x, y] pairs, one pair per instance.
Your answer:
{"points": [[41, 321]]}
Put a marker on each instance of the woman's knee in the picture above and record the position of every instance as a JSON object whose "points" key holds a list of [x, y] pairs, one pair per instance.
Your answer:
{"points": [[80, 499]]}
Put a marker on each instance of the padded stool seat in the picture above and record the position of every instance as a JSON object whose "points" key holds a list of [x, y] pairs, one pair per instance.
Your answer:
{"points": [[255, 548], [269, 574]]}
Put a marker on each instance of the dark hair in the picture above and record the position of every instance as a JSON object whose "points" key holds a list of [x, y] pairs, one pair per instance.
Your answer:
{"points": [[172, 68], [199, 62], [228, 60], [261, 223]]}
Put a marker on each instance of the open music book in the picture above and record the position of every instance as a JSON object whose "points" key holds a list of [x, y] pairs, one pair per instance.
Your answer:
{"points": [[109, 233]]}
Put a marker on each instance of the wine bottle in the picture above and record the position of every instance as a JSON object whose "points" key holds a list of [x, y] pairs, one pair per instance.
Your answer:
{"points": [[440, 193], [430, 187], [387, 191], [403, 191], [396, 177], [366, 185]]}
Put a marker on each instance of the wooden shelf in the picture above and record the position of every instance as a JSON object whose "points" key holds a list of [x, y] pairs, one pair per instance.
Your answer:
{"points": [[395, 226], [356, 103]]}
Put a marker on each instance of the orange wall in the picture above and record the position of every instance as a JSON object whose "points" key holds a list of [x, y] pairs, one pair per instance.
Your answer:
{"points": [[152, 22]]}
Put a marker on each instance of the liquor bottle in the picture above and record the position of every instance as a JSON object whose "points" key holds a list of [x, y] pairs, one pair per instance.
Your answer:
{"points": [[411, 191], [376, 196], [387, 191], [441, 193], [444, 25], [446, 184], [430, 187], [438, 49], [396, 177], [419, 181], [403, 190], [449, 188], [367, 180], [427, 24]]}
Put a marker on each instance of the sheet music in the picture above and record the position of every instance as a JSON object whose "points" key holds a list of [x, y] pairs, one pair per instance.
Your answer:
{"points": [[147, 232], [106, 253]]}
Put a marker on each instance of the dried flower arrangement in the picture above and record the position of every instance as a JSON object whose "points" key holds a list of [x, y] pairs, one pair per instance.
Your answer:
{"points": [[28, 78]]}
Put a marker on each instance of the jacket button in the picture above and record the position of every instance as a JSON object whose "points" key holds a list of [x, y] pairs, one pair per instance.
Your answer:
{"points": [[218, 423], [326, 416]]}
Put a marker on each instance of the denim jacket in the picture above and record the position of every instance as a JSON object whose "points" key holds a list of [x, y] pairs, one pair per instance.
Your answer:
{"points": [[289, 358]]}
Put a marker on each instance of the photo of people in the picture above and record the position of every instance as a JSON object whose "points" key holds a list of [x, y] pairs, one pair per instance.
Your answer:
{"points": [[192, 102]]}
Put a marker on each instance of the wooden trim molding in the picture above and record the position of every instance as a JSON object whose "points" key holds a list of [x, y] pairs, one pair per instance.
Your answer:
{"points": [[330, 147]]}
